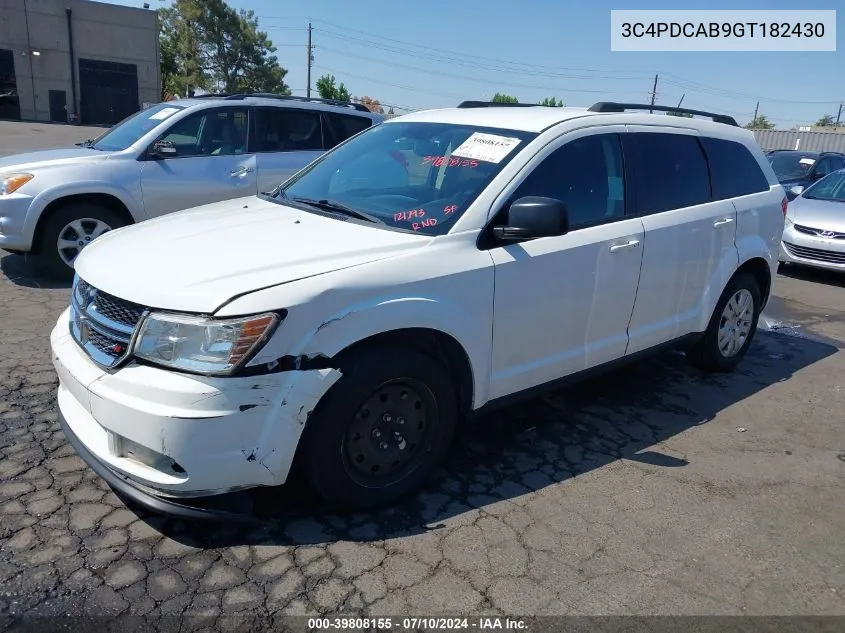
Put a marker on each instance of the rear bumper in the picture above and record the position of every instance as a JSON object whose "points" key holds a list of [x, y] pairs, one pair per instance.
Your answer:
{"points": [[231, 507]]}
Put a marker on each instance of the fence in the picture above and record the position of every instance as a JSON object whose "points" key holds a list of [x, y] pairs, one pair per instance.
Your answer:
{"points": [[809, 141]]}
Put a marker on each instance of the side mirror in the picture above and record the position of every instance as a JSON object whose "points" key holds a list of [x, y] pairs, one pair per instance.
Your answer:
{"points": [[162, 149], [532, 217], [817, 175], [797, 190]]}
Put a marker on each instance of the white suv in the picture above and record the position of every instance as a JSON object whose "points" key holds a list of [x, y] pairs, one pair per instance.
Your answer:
{"points": [[423, 270]]}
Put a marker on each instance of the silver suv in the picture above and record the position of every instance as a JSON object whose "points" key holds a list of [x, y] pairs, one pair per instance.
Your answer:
{"points": [[168, 157]]}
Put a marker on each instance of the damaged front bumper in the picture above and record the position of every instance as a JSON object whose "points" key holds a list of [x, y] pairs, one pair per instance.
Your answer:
{"points": [[167, 440]]}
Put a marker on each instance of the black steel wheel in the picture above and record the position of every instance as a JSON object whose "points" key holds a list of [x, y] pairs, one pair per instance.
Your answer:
{"points": [[381, 430]]}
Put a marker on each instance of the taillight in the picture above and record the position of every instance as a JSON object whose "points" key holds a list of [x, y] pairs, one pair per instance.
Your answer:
{"points": [[783, 204]]}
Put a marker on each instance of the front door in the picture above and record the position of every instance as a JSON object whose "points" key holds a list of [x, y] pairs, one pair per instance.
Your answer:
{"points": [[212, 163], [562, 304]]}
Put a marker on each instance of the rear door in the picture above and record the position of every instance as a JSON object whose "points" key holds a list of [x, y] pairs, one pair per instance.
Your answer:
{"points": [[212, 162], [690, 250], [286, 140]]}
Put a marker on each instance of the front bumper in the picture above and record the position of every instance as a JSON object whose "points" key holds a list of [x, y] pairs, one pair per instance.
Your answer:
{"points": [[13, 233], [170, 437], [810, 250], [233, 507]]}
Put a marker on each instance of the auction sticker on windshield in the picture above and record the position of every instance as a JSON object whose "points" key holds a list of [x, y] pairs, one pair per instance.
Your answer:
{"points": [[164, 113], [490, 148]]}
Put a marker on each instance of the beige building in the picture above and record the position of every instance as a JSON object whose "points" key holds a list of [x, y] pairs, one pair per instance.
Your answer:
{"points": [[76, 60]]}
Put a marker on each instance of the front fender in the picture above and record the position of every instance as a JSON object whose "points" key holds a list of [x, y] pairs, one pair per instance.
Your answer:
{"points": [[364, 320], [80, 187]]}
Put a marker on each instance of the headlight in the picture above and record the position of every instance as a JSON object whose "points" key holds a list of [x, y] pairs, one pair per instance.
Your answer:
{"points": [[13, 182], [202, 345]]}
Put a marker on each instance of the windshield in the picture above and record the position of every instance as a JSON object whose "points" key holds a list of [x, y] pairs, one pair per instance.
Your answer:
{"points": [[830, 187], [412, 176], [788, 166], [128, 131]]}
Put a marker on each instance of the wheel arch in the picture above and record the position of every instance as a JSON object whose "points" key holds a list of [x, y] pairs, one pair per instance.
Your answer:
{"points": [[758, 268], [442, 346], [106, 200]]}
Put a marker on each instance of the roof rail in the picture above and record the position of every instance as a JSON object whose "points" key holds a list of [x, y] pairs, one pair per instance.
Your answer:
{"points": [[609, 106], [493, 104], [269, 95]]}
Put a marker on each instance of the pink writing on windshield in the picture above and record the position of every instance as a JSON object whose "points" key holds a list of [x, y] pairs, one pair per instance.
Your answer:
{"points": [[424, 224], [450, 209], [407, 216], [440, 161]]}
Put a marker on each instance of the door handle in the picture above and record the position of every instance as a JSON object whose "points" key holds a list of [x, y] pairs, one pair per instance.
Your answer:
{"points": [[722, 222], [240, 171], [621, 247]]}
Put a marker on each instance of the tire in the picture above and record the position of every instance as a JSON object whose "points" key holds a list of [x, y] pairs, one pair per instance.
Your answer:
{"points": [[354, 438], [88, 215], [707, 354]]}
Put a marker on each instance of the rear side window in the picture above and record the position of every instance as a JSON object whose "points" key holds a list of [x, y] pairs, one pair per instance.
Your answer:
{"points": [[672, 172], [733, 169], [345, 125]]}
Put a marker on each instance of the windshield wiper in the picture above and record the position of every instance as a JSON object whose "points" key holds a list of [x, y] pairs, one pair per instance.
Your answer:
{"points": [[339, 207], [89, 143]]}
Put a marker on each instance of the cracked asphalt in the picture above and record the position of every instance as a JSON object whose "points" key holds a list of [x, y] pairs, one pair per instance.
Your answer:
{"points": [[649, 490]]}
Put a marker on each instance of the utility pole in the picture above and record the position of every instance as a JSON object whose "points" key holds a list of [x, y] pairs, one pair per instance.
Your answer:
{"points": [[653, 93], [839, 114], [310, 61], [756, 109]]}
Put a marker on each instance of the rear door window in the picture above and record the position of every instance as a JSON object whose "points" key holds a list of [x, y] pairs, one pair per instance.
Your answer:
{"points": [[288, 130], [672, 171], [733, 169], [345, 126]]}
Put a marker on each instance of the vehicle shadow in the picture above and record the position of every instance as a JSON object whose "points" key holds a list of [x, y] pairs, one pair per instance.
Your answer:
{"points": [[813, 275], [23, 270], [506, 455]]}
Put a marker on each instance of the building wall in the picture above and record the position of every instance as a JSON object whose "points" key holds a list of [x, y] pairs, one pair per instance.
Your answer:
{"points": [[810, 141], [100, 31]]}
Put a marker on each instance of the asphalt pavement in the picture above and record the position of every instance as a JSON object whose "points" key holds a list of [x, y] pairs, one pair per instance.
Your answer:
{"points": [[653, 489]]}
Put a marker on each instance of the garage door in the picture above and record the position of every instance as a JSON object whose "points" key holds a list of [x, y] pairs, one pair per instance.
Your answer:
{"points": [[108, 91], [9, 104]]}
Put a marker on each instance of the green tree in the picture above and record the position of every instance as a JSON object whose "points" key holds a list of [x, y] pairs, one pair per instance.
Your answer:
{"points": [[552, 102], [760, 122], [503, 98], [825, 121], [208, 45], [327, 89]]}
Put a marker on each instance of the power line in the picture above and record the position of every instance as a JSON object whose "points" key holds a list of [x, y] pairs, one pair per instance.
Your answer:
{"points": [[461, 62], [392, 85], [440, 73], [463, 54]]}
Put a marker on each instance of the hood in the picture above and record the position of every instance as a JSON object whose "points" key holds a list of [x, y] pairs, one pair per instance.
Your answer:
{"points": [[49, 158], [818, 214], [198, 259]]}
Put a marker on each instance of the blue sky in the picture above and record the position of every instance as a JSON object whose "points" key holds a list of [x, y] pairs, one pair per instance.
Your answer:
{"points": [[434, 53]]}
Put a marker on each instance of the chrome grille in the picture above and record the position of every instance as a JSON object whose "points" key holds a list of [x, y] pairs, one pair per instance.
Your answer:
{"points": [[809, 230], [102, 324], [816, 254]]}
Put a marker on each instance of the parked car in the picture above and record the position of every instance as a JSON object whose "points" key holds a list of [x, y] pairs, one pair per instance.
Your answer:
{"points": [[168, 157], [350, 320], [799, 168], [814, 234]]}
